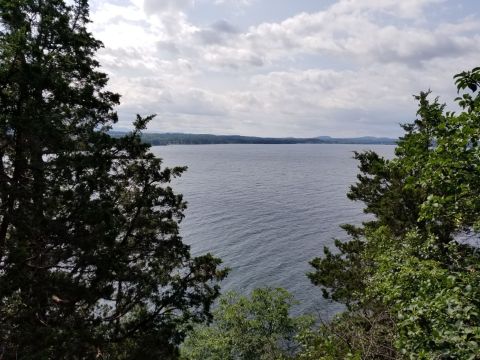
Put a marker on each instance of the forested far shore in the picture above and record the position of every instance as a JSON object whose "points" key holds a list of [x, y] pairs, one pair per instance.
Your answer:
{"points": [[159, 139]]}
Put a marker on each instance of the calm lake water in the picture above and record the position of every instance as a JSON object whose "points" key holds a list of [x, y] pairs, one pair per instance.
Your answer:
{"points": [[267, 210]]}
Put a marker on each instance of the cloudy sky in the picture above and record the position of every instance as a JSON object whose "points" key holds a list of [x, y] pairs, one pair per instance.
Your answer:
{"points": [[283, 67]]}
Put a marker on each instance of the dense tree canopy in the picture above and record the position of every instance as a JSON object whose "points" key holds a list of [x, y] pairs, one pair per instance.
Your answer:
{"points": [[91, 261], [249, 328], [410, 262]]}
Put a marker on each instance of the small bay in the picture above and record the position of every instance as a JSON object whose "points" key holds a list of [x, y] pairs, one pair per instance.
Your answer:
{"points": [[267, 210]]}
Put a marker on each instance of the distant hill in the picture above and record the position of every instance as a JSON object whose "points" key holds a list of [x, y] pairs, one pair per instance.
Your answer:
{"points": [[202, 139]]}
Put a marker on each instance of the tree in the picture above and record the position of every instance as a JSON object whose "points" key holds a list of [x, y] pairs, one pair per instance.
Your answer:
{"points": [[409, 261], [253, 328], [91, 261]]}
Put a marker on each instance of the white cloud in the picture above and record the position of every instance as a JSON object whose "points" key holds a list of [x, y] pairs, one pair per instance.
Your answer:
{"points": [[365, 59], [237, 3], [411, 9], [353, 34]]}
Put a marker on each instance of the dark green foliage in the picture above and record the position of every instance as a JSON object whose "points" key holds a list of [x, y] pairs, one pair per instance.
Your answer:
{"points": [[341, 274], [408, 260], [91, 261]]}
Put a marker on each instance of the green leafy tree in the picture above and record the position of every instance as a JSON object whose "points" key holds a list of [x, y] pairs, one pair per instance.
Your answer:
{"points": [[91, 261], [408, 260], [436, 307], [255, 328]]}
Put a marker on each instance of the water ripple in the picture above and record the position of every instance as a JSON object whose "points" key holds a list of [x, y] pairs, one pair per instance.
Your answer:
{"points": [[267, 210]]}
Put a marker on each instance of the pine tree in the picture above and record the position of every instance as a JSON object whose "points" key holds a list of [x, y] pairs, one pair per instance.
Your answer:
{"points": [[91, 261]]}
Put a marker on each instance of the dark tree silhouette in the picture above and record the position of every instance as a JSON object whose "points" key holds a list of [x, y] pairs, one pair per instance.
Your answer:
{"points": [[91, 261]]}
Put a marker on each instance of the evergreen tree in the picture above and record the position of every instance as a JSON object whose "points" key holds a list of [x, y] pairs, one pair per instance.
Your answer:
{"points": [[91, 261]]}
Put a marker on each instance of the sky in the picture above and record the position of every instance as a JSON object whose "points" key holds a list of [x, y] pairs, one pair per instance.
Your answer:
{"points": [[281, 68]]}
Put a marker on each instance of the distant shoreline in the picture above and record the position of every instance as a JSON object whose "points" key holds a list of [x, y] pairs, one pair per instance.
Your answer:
{"points": [[163, 139], [337, 143]]}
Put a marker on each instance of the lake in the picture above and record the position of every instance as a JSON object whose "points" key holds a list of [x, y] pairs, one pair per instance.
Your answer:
{"points": [[267, 210]]}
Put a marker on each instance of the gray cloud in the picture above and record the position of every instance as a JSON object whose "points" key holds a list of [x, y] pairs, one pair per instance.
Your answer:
{"points": [[225, 27], [365, 59], [349, 34], [158, 6], [168, 46], [218, 33]]}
